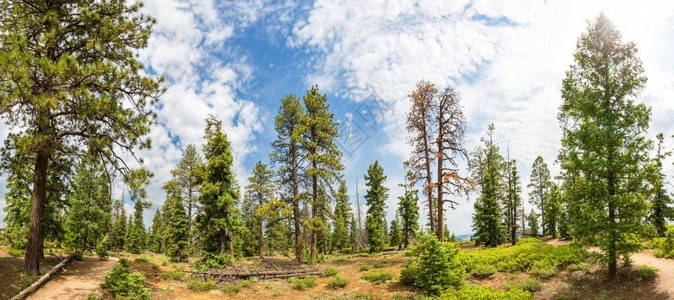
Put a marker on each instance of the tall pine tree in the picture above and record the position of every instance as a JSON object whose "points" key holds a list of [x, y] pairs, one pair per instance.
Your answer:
{"points": [[375, 198], [539, 185], [661, 208], [513, 201], [342, 218]]}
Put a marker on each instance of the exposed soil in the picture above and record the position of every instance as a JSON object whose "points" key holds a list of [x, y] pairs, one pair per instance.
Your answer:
{"points": [[77, 280], [12, 278]]}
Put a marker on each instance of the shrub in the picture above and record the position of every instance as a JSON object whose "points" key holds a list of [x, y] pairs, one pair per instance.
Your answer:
{"points": [[529, 285], [337, 282], [655, 243], [25, 282], [484, 293], [362, 255], [16, 252], [543, 269], [379, 276], [199, 285], [122, 284], [78, 255], [666, 245], [92, 296], [484, 271], [579, 267], [172, 275], [647, 272], [142, 259], [327, 272], [303, 283], [213, 261], [235, 288], [340, 259], [102, 247], [436, 267], [363, 268], [378, 265]]}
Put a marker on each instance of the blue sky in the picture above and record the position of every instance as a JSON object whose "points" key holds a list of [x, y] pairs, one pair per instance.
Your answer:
{"points": [[237, 59]]}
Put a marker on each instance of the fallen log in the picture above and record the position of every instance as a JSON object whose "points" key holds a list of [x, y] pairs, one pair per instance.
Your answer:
{"points": [[33, 287], [222, 276]]}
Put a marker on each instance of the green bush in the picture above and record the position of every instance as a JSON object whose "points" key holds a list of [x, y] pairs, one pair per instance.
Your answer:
{"points": [[303, 283], [529, 285], [213, 261], [647, 272], [337, 282], [579, 267], [436, 267], [340, 259], [327, 272], [102, 247], [78, 255], [378, 265], [172, 275], [363, 268], [16, 252], [543, 269], [142, 259], [122, 284], [92, 296], [655, 243], [522, 256], [666, 245], [379, 276], [484, 271], [362, 255], [484, 293], [25, 282], [235, 288], [199, 285]]}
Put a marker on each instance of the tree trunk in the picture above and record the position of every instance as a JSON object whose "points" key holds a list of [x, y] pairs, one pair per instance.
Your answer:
{"points": [[429, 191], [34, 247], [261, 242], [222, 242], [189, 216], [441, 227], [296, 211], [230, 242], [314, 214]]}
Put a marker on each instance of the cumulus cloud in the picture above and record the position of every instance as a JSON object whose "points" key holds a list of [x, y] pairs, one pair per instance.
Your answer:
{"points": [[507, 58]]}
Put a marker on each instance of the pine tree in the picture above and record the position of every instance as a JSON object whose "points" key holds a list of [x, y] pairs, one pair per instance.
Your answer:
{"points": [[90, 207], [539, 185], [564, 223], [318, 131], [408, 209], [603, 141], [487, 166], [532, 220], [185, 174], [136, 238], [661, 208], [287, 156], [219, 192], [156, 236], [342, 218], [553, 208], [395, 236], [375, 198], [71, 83], [513, 201], [353, 233], [176, 224], [261, 189], [118, 225]]}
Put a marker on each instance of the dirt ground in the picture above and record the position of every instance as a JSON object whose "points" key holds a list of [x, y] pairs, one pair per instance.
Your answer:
{"points": [[77, 280], [12, 279]]}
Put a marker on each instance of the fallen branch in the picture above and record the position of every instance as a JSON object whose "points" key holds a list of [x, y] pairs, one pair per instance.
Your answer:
{"points": [[23, 294], [223, 276]]}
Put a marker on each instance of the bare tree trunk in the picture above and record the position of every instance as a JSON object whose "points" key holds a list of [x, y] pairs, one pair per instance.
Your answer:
{"points": [[230, 242], [222, 242], [296, 211], [34, 247], [189, 216], [441, 227], [314, 214]]}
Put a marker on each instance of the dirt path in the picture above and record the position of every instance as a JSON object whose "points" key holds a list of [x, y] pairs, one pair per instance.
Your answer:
{"points": [[77, 280], [665, 281]]}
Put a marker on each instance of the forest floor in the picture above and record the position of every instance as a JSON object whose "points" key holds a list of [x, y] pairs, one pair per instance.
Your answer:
{"points": [[77, 280], [12, 278]]}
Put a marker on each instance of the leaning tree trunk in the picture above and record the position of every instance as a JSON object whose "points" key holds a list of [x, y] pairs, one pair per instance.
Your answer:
{"points": [[34, 246]]}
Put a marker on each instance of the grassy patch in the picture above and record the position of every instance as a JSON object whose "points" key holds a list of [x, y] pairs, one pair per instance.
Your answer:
{"points": [[363, 268], [543, 270], [199, 285], [303, 283], [337, 282], [172, 275], [379, 276], [327, 272], [529, 285], [484, 271], [647, 273]]}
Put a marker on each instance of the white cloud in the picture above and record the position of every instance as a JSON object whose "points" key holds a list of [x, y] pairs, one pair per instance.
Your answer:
{"points": [[507, 58]]}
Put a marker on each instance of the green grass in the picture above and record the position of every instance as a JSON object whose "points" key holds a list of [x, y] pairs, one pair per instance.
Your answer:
{"points": [[529, 285], [379, 276], [327, 272], [337, 282], [142, 259], [647, 273], [199, 285], [363, 268], [172, 275], [303, 283], [235, 288], [484, 271], [543, 270]]}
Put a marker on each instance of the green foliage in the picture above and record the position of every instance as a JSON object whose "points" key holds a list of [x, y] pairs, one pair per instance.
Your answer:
{"points": [[122, 284], [539, 183], [523, 256], [532, 223], [185, 176], [337, 282], [118, 233], [142, 259], [213, 261], [199, 285], [102, 247], [512, 201], [483, 271], [487, 166], [661, 203], [655, 243], [236, 287], [378, 276], [665, 245], [172, 275], [25, 281], [342, 218], [175, 230], [375, 198], [484, 293], [16, 252], [395, 238], [156, 238], [92, 296], [543, 269], [606, 177], [408, 210], [363, 268], [647, 272], [303, 283], [581, 266], [89, 214], [327, 272], [136, 237], [529, 285], [258, 204], [218, 217], [436, 267], [553, 209]]}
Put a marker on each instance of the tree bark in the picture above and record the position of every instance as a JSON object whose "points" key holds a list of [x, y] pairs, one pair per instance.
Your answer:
{"points": [[222, 242], [189, 215], [441, 227], [230, 242], [314, 214], [261, 242], [296, 210], [34, 247]]}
